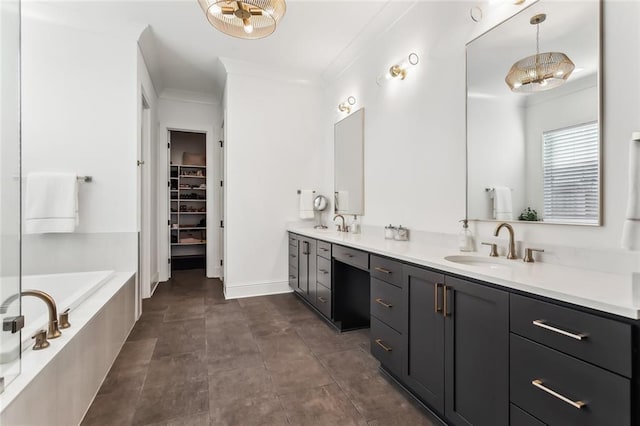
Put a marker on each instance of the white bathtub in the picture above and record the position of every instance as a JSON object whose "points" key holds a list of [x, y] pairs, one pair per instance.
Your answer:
{"points": [[70, 371], [68, 290]]}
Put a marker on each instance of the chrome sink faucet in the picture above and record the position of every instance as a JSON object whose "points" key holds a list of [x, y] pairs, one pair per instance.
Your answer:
{"points": [[512, 244], [343, 227]]}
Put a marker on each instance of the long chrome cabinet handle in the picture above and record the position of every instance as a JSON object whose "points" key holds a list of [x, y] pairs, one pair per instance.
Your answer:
{"points": [[538, 383], [383, 346], [384, 271], [542, 324], [383, 303], [436, 298]]}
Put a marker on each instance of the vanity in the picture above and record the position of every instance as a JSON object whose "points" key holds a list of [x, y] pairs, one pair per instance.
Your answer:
{"points": [[480, 345]]}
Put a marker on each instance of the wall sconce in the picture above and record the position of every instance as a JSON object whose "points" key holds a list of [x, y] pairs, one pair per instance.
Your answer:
{"points": [[398, 70], [346, 105]]}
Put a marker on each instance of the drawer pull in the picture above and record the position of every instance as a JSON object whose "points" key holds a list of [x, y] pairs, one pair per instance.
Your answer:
{"points": [[322, 299], [348, 254], [293, 277], [538, 383], [383, 346], [542, 324], [324, 249], [324, 271], [293, 256], [384, 271], [383, 303]]}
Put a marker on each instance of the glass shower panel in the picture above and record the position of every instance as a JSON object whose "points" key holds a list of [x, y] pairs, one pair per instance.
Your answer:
{"points": [[10, 187]]}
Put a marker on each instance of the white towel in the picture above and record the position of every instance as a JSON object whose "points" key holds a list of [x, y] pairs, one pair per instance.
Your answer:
{"points": [[502, 204], [631, 227], [51, 203], [306, 204], [342, 201]]}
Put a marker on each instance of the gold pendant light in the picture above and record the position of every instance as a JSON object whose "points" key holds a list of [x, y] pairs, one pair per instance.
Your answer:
{"points": [[248, 19], [542, 71]]}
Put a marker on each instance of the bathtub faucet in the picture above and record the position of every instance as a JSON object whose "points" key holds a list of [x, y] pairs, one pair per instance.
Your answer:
{"points": [[53, 330]]}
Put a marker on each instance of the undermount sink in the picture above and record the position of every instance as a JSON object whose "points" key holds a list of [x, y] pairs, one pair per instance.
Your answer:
{"points": [[483, 262]]}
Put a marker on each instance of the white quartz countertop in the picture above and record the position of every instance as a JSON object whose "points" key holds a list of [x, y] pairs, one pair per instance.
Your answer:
{"points": [[606, 292]]}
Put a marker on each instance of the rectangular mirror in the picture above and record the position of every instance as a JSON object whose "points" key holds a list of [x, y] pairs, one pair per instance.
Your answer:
{"points": [[349, 164], [533, 117]]}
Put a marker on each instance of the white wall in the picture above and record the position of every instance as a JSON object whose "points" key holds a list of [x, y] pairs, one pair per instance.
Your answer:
{"points": [[577, 107], [188, 111], [274, 146], [79, 114], [496, 154], [414, 131]]}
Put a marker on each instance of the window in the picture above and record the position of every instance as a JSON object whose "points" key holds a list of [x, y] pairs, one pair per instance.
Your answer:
{"points": [[572, 174]]}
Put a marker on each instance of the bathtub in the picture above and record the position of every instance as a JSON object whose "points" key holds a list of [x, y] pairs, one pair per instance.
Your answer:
{"points": [[69, 372], [68, 290]]}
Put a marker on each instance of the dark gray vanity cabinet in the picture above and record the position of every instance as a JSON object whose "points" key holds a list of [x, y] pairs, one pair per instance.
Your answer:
{"points": [[457, 347], [424, 364], [302, 266], [476, 353]]}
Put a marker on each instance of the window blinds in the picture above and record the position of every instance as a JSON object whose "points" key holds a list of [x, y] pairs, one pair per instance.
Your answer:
{"points": [[571, 174]]}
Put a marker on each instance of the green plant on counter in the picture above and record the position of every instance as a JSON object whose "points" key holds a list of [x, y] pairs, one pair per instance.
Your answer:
{"points": [[529, 215]]}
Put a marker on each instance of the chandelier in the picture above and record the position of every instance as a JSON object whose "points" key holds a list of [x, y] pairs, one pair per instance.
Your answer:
{"points": [[248, 19], [542, 71]]}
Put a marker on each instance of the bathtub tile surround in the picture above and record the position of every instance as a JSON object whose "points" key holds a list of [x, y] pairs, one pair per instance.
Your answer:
{"points": [[261, 360], [67, 374]]}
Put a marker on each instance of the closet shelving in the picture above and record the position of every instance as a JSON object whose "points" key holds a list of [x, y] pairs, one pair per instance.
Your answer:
{"points": [[188, 209]]}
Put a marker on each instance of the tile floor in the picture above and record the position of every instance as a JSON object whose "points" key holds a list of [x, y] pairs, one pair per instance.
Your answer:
{"points": [[195, 359]]}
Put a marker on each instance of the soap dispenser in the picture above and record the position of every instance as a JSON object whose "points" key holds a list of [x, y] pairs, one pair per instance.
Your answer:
{"points": [[355, 225], [465, 238]]}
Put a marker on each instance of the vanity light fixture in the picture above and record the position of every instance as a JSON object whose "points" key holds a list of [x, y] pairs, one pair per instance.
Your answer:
{"points": [[346, 105], [398, 70], [247, 19], [542, 71]]}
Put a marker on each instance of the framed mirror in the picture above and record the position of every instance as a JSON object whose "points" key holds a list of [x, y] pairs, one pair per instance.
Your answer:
{"points": [[349, 164], [534, 117]]}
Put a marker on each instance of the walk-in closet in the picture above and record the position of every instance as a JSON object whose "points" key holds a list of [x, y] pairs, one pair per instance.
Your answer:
{"points": [[188, 199]]}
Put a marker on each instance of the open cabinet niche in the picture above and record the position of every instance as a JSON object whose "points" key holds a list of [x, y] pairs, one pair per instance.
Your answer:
{"points": [[188, 196]]}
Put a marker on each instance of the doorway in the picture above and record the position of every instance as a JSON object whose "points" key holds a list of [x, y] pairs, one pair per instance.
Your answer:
{"points": [[188, 181]]}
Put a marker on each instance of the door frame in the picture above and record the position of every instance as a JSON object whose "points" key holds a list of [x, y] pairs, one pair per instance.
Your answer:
{"points": [[213, 178]]}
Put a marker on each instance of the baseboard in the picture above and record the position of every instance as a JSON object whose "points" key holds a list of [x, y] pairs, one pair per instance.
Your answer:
{"points": [[215, 272], [256, 289], [154, 282]]}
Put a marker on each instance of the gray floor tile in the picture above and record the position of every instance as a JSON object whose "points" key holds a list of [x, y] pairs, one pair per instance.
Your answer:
{"points": [[327, 405], [249, 412], [294, 375], [169, 402]]}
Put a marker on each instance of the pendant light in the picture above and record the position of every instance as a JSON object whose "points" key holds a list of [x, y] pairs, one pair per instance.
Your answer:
{"points": [[542, 71], [248, 19]]}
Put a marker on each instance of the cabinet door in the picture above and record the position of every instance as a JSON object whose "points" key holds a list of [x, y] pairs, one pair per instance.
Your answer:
{"points": [[476, 354], [424, 341], [303, 267], [307, 269]]}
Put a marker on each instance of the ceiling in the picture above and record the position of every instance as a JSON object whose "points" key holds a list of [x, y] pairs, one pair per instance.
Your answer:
{"points": [[315, 39]]}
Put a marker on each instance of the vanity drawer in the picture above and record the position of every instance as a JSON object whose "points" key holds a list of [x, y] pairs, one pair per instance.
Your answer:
{"points": [[552, 386], [386, 346], [386, 304], [324, 272], [293, 277], [293, 257], [357, 258], [293, 241], [323, 300], [518, 417], [324, 249], [601, 341], [386, 270]]}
